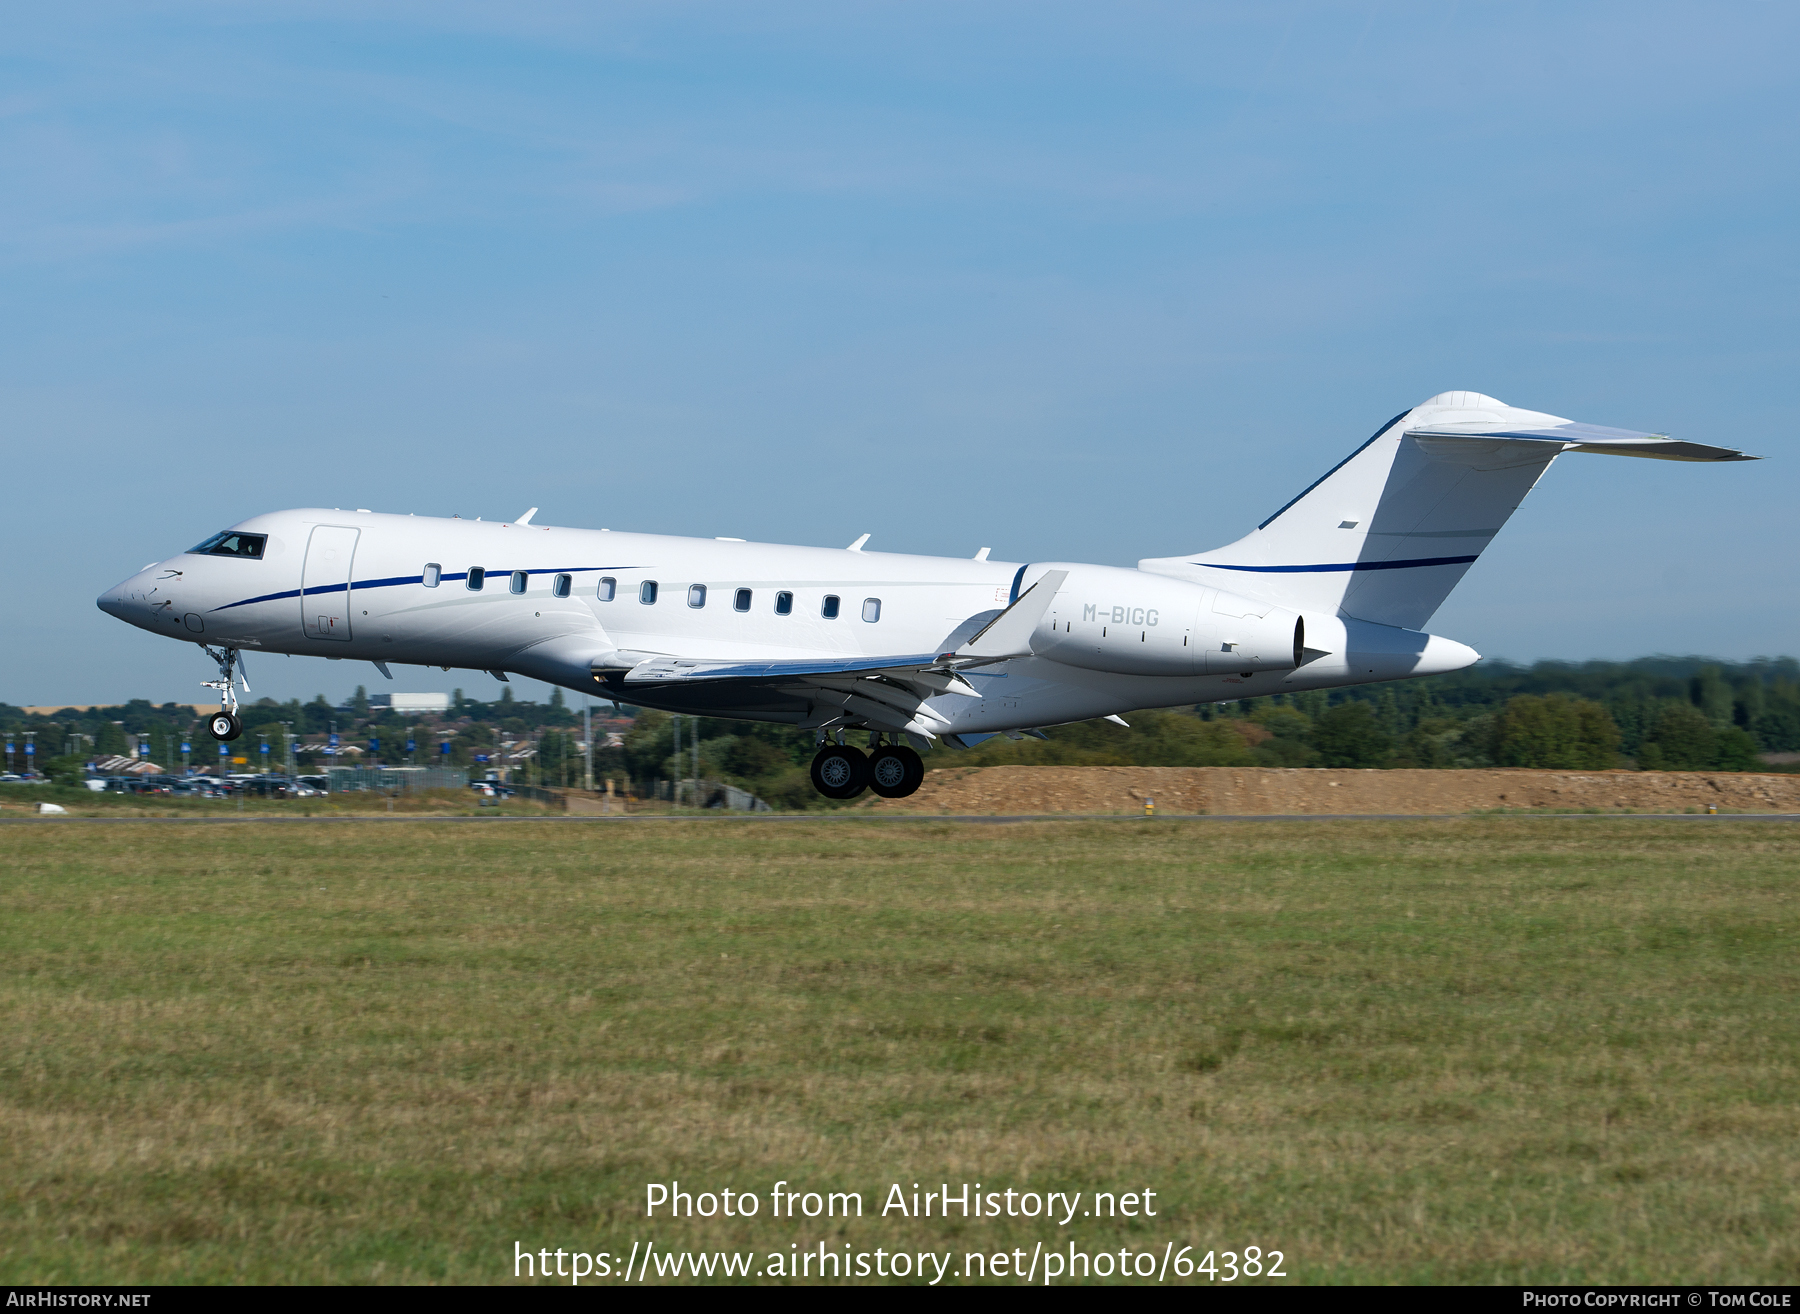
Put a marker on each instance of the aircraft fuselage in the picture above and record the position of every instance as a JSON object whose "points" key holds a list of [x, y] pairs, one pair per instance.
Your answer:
{"points": [[550, 603]]}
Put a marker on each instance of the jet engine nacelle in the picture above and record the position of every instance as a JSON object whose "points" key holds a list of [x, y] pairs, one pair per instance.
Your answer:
{"points": [[1109, 619]]}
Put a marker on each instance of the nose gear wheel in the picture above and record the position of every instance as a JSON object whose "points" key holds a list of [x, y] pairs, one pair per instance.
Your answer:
{"points": [[224, 725]]}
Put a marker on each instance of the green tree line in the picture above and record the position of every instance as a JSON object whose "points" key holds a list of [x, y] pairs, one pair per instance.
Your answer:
{"points": [[1656, 713]]}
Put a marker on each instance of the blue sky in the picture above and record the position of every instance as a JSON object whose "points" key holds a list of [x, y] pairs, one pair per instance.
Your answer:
{"points": [[1072, 281]]}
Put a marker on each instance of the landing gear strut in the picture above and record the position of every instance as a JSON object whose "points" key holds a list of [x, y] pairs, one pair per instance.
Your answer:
{"points": [[223, 724]]}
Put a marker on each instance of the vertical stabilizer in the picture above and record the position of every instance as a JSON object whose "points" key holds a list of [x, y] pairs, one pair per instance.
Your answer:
{"points": [[1387, 533]]}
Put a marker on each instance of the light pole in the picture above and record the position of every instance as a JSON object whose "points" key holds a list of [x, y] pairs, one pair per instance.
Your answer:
{"points": [[287, 736], [587, 748]]}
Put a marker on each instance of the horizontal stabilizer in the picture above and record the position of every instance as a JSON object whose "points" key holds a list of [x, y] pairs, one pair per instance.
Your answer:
{"points": [[1596, 438]]}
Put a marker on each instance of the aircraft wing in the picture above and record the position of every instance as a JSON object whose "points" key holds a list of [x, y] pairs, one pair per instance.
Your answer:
{"points": [[927, 669], [892, 693], [890, 690]]}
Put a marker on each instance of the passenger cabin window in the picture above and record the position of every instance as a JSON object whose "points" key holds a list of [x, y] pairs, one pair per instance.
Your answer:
{"points": [[829, 608], [740, 601], [477, 577], [608, 587], [518, 581], [696, 595], [647, 592], [871, 609], [784, 604], [560, 586], [433, 574], [230, 544]]}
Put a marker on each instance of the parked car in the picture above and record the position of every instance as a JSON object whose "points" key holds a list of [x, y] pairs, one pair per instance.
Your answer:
{"points": [[199, 787]]}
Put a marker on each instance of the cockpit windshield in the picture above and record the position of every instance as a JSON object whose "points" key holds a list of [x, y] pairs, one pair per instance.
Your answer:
{"points": [[230, 543]]}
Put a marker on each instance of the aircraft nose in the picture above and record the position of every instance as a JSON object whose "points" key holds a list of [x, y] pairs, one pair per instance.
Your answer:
{"points": [[117, 601]]}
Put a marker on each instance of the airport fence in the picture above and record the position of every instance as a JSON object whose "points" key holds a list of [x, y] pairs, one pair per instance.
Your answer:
{"points": [[707, 794]]}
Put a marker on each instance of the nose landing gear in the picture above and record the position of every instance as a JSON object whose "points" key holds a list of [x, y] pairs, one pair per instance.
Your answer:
{"points": [[224, 724]]}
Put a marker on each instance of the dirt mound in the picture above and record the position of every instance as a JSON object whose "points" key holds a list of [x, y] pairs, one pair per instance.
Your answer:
{"points": [[1287, 791]]}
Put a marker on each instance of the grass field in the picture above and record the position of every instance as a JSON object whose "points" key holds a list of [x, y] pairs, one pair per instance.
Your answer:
{"points": [[1489, 1050]]}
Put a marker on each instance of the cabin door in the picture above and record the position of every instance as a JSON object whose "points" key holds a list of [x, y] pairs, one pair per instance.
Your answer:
{"points": [[325, 583]]}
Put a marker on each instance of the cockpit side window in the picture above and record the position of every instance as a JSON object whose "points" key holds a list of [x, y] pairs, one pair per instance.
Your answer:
{"points": [[230, 543]]}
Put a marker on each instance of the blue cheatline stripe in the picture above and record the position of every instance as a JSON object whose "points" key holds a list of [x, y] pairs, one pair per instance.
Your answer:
{"points": [[267, 597], [1344, 565], [1339, 466], [394, 581]]}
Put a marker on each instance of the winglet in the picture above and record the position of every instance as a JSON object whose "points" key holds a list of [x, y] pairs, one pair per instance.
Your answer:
{"points": [[1009, 633], [526, 518], [858, 545]]}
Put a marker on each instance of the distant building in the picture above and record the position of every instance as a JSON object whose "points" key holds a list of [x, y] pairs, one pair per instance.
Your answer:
{"points": [[125, 766], [417, 704]]}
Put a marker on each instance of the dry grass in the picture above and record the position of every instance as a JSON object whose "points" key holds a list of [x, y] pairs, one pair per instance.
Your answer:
{"points": [[1475, 1050]]}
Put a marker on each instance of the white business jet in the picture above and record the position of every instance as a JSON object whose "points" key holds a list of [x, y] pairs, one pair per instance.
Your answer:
{"points": [[1333, 589]]}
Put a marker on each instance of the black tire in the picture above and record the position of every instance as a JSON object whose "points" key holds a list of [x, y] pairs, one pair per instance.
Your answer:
{"points": [[839, 772], [895, 771], [224, 726]]}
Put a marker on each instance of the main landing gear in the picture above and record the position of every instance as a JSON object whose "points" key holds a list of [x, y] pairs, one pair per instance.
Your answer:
{"points": [[223, 724], [891, 770]]}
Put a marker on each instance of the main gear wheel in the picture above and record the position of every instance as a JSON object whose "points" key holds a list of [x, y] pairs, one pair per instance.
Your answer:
{"points": [[895, 771], [840, 772]]}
